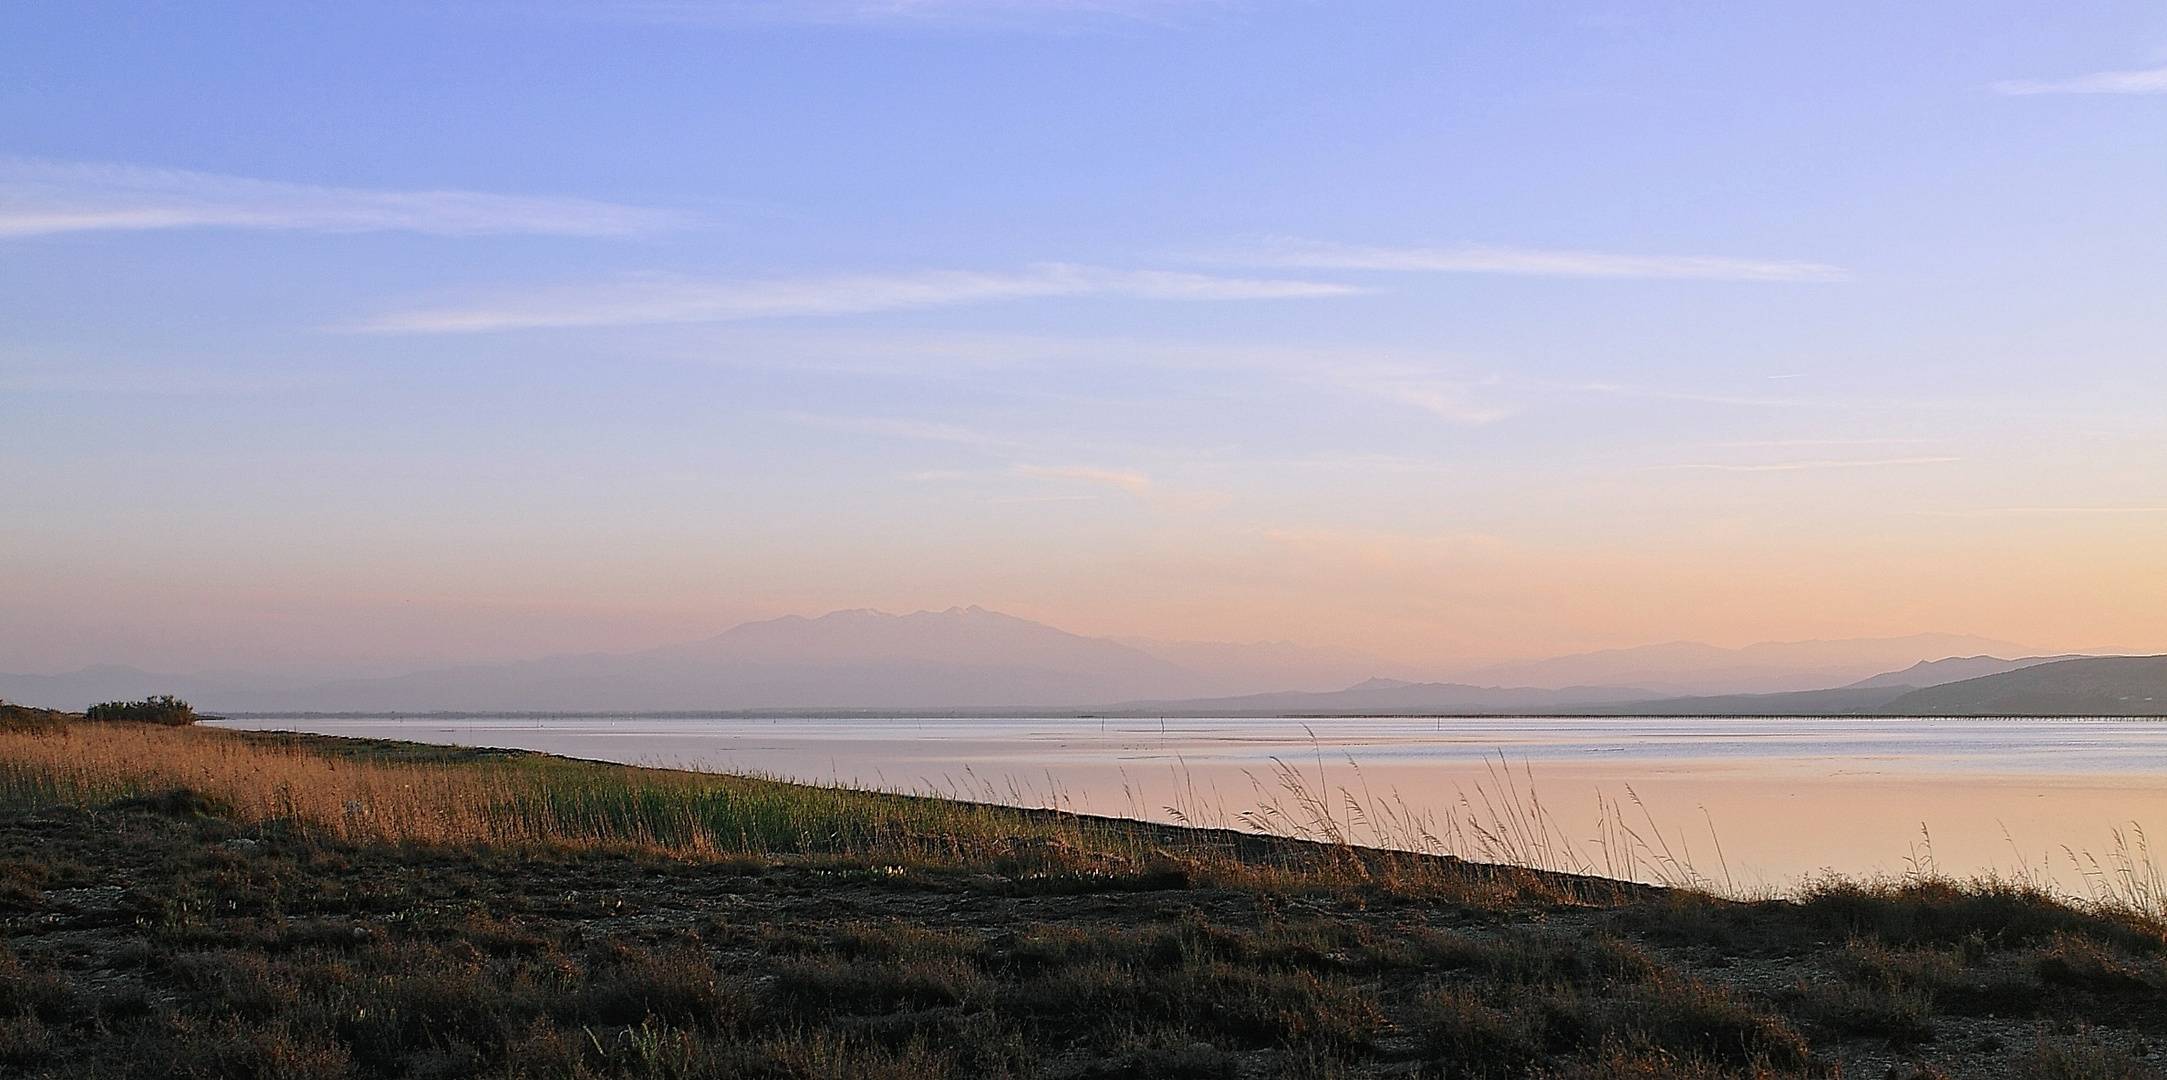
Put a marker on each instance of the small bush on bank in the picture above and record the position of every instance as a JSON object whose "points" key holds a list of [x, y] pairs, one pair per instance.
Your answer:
{"points": [[164, 709]]}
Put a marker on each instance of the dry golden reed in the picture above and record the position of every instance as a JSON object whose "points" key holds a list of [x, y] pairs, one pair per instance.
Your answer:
{"points": [[403, 793], [490, 799]]}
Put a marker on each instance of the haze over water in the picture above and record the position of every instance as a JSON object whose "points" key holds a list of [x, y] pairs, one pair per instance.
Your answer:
{"points": [[1786, 798]]}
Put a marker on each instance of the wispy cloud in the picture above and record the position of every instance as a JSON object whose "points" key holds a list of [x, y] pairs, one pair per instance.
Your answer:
{"points": [[1792, 466], [902, 429], [1449, 402], [43, 197], [1135, 483], [1413, 387], [1618, 390], [2058, 510], [989, 14], [179, 380], [1420, 380], [2153, 81], [678, 301], [1896, 441], [1538, 262]]}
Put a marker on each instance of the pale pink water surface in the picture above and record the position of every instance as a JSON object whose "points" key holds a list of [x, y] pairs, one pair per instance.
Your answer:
{"points": [[1757, 803]]}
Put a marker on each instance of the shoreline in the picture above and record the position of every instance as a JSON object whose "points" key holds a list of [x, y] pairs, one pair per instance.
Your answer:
{"points": [[239, 927]]}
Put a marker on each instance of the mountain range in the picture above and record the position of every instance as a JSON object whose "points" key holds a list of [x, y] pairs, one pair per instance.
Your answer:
{"points": [[2029, 686], [1690, 667], [2088, 686], [974, 659], [959, 658]]}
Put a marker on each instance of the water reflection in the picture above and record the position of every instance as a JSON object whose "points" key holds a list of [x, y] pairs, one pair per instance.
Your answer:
{"points": [[1785, 798]]}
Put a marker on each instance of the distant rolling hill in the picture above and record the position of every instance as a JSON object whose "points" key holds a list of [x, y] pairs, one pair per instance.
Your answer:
{"points": [[2091, 686], [962, 657], [2083, 686], [1865, 697], [1841, 701], [1683, 668], [1240, 668], [978, 660], [2037, 686], [1927, 673], [1391, 697]]}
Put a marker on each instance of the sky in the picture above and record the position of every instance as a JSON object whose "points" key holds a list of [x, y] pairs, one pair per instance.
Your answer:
{"points": [[336, 338]]}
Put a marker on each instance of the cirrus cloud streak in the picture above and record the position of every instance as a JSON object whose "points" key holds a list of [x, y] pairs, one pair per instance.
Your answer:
{"points": [[988, 14], [2153, 81], [43, 197], [680, 301], [1538, 262], [1135, 483], [1836, 463]]}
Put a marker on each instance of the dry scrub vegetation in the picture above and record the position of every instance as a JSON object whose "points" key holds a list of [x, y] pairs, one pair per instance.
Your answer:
{"points": [[178, 902], [369, 792]]}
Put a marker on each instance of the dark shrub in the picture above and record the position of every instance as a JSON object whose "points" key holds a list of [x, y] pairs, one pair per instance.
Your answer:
{"points": [[163, 709], [180, 802]]}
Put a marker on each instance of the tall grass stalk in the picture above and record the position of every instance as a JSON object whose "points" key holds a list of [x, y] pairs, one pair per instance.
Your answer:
{"points": [[1502, 820], [2128, 877], [1505, 820], [499, 800]]}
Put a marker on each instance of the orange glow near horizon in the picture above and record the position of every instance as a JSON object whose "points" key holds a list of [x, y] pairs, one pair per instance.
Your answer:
{"points": [[1438, 602]]}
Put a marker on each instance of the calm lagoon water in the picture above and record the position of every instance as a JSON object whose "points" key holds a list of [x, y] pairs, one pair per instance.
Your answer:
{"points": [[1765, 802]]}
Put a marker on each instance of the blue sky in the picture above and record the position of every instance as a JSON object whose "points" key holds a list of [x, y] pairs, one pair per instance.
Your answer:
{"points": [[387, 333]]}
